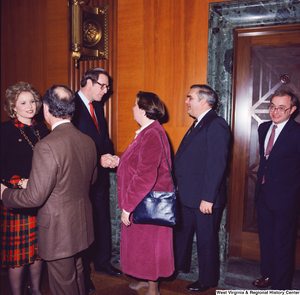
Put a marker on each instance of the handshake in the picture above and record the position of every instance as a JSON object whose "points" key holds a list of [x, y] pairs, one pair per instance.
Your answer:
{"points": [[109, 161], [21, 184]]}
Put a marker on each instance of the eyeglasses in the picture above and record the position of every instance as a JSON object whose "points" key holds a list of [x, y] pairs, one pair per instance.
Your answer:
{"points": [[102, 86], [280, 110]]}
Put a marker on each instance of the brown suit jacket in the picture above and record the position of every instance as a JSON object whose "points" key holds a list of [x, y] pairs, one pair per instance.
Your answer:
{"points": [[63, 167]]}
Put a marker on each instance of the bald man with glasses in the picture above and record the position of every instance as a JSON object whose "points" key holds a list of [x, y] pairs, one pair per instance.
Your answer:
{"points": [[277, 193]]}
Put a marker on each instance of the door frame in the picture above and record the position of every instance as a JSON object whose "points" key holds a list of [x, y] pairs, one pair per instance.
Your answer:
{"points": [[224, 18]]}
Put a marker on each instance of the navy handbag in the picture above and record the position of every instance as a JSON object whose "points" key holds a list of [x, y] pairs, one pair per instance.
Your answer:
{"points": [[158, 208]]}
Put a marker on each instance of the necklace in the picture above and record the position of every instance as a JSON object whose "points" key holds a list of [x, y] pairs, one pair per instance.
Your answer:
{"points": [[26, 137]]}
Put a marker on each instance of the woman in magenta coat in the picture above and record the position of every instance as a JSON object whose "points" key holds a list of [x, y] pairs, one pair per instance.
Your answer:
{"points": [[146, 251]]}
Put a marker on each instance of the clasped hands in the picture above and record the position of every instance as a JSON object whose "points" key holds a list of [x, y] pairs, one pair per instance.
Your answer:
{"points": [[22, 183], [109, 161]]}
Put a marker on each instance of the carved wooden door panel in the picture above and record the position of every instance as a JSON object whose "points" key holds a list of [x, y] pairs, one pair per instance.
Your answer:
{"points": [[266, 59]]}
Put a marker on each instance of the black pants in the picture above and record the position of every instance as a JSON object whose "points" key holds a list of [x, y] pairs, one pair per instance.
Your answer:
{"points": [[100, 251], [277, 236], [206, 227]]}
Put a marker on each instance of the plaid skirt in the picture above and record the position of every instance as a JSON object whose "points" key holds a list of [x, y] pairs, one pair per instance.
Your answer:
{"points": [[19, 239]]}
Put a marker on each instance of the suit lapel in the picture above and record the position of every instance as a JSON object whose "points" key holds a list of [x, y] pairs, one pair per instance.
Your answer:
{"points": [[83, 109], [188, 138], [282, 138], [262, 138], [86, 114]]}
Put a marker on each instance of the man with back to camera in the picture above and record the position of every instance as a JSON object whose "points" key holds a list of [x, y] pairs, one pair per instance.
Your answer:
{"points": [[63, 167], [200, 164], [277, 192], [89, 119]]}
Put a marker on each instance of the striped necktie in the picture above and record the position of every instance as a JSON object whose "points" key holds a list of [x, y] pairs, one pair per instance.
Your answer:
{"points": [[192, 127]]}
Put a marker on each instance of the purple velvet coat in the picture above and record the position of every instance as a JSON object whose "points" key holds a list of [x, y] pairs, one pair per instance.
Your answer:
{"points": [[146, 251]]}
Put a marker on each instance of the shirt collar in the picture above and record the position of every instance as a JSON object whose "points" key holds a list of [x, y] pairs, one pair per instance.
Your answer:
{"points": [[84, 99], [279, 126], [142, 128], [59, 123], [201, 116]]}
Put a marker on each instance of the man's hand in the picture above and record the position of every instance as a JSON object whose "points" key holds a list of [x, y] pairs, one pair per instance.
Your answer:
{"points": [[3, 187], [109, 161], [206, 207]]}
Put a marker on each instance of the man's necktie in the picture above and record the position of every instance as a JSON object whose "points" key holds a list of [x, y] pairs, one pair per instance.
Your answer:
{"points": [[271, 141], [270, 146], [194, 124], [93, 116], [192, 127]]}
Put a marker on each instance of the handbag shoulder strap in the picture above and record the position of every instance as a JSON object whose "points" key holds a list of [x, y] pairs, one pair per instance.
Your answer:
{"points": [[167, 161]]}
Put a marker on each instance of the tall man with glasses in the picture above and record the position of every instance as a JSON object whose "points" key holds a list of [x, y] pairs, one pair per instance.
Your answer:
{"points": [[89, 119], [277, 193]]}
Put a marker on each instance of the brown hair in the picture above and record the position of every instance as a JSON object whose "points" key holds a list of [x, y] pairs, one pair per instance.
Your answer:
{"points": [[151, 104], [283, 92], [92, 74]]}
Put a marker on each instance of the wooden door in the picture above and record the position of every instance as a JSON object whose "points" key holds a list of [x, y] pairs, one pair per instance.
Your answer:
{"points": [[265, 59]]}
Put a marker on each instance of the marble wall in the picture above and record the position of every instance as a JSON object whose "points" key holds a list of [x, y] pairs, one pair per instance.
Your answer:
{"points": [[115, 217]]}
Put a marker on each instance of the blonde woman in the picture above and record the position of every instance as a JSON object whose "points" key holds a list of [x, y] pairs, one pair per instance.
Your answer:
{"points": [[19, 238]]}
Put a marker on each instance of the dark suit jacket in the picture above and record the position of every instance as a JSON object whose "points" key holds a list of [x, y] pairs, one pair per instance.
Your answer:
{"points": [[16, 153], [63, 167], [200, 162], [83, 121], [282, 169]]}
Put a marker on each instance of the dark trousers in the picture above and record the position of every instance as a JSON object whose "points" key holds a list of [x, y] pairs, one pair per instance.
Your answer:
{"points": [[102, 244], [100, 251], [66, 276], [277, 236], [206, 227]]}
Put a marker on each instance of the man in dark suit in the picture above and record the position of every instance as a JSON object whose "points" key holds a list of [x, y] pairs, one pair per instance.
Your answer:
{"points": [[200, 163], [89, 119], [277, 193], [63, 167]]}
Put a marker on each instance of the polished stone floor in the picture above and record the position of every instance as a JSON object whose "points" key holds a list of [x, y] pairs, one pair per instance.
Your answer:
{"points": [[238, 273], [235, 273]]}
